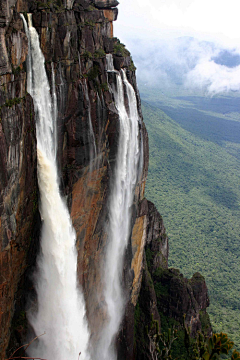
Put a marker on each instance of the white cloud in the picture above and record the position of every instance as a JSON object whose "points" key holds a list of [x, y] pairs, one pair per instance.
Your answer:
{"points": [[185, 62], [151, 30], [214, 77], [210, 19]]}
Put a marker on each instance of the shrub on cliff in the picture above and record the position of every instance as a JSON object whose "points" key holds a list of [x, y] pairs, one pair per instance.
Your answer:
{"points": [[119, 49], [200, 348]]}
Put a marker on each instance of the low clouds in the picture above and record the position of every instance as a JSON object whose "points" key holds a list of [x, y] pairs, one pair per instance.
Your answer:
{"points": [[215, 78], [187, 62], [199, 18], [179, 58]]}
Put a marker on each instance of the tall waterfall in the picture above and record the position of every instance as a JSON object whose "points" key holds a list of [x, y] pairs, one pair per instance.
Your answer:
{"points": [[122, 194], [61, 310]]}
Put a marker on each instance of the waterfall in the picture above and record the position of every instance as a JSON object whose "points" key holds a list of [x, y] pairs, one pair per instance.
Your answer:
{"points": [[54, 110], [122, 195], [109, 60], [60, 310]]}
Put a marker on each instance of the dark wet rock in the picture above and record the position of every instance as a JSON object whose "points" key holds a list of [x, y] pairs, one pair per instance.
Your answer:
{"points": [[105, 3]]}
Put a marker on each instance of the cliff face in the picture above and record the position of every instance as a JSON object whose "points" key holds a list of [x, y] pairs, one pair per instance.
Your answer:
{"points": [[75, 37], [166, 296], [19, 218]]}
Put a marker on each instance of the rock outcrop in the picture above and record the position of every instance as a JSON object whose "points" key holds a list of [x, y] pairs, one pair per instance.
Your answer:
{"points": [[75, 36], [168, 297]]}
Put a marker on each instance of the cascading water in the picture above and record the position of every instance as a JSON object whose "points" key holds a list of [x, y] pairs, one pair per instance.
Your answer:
{"points": [[61, 309], [123, 188]]}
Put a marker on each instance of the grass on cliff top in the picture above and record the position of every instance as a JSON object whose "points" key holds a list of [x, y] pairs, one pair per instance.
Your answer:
{"points": [[194, 182]]}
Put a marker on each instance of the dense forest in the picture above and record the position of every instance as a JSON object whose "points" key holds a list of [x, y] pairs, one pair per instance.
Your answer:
{"points": [[193, 179]]}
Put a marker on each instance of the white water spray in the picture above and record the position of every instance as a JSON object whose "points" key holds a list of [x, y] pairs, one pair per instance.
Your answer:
{"points": [[109, 60], [61, 309], [125, 179]]}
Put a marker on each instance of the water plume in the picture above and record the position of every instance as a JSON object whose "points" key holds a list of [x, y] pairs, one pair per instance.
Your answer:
{"points": [[122, 195], [61, 309]]}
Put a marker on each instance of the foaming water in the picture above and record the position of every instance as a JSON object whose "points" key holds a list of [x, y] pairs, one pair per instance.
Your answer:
{"points": [[61, 309], [122, 195]]}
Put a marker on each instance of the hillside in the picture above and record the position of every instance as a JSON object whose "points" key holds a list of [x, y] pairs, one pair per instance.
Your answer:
{"points": [[193, 179]]}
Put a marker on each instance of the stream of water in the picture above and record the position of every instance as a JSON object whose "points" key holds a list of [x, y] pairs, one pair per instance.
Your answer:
{"points": [[61, 309], [122, 195]]}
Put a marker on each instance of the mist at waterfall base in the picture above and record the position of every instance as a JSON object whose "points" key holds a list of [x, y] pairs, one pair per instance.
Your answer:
{"points": [[61, 310], [122, 195]]}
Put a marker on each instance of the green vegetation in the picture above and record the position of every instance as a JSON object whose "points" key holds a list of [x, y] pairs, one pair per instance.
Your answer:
{"points": [[11, 102], [132, 67], [21, 321], [175, 340], [90, 24], [104, 86], [87, 55], [100, 53], [139, 319], [120, 49], [200, 348], [56, 5], [16, 71], [91, 8], [205, 321], [178, 347], [93, 73], [171, 291], [193, 181]]}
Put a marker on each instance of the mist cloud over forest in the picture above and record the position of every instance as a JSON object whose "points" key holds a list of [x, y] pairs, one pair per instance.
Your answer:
{"points": [[192, 43], [187, 62]]}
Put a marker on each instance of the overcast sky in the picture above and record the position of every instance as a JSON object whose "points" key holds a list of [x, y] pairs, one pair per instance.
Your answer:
{"points": [[215, 19], [149, 29]]}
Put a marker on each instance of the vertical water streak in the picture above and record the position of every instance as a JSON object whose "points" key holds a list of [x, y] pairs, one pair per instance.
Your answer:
{"points": [[29, 62], [69, 4], [61, 310], [91, 136], [109, 59], [122, 195], [54, 110]]}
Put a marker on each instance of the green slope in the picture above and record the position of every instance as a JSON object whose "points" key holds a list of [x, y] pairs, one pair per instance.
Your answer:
{"points": [[195, 185]]}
